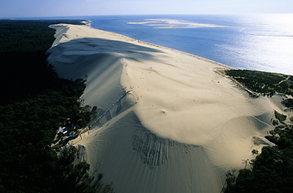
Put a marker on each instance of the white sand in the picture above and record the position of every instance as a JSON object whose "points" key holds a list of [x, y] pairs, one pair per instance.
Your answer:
{"points": [[171, 23], [181, 127]]}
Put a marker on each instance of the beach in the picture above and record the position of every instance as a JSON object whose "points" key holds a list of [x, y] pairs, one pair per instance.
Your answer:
{"points": [[180, 126]]}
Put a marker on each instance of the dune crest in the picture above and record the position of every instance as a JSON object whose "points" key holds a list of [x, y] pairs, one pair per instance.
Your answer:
{"points": [[181, 125]]}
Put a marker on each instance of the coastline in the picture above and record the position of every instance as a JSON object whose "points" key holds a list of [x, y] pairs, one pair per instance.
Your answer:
{"points": [[180, 118], [88, 23]]}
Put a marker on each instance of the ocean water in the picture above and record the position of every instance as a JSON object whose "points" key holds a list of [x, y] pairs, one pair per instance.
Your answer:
{"points": [[254, 42]]}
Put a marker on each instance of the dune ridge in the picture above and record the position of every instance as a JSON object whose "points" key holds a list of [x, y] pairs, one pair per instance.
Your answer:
{"points": [[181, 126]]}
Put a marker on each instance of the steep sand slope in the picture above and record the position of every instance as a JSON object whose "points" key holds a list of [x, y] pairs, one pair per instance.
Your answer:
{"points": [[180, 127]]}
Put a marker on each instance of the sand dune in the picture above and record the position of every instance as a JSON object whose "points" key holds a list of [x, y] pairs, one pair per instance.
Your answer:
{"points": [[181, 126]]}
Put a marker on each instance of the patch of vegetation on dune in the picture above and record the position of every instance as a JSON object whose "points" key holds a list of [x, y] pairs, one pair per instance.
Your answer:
{"points": [[264, 83], [272, 170]]}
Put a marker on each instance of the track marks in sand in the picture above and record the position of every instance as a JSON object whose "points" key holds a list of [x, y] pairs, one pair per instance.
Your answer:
{"points": [[186, 124]]}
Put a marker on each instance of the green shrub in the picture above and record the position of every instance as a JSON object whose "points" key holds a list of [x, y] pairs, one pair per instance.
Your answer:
{"points": [[254, 151], [263, 82], [280, 116]]}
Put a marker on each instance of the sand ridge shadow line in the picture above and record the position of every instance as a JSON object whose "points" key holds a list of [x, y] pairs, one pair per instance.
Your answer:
{"points": [[90, 46]]}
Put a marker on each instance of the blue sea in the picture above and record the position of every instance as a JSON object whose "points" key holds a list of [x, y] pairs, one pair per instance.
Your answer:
{"points": [[255, 42]]}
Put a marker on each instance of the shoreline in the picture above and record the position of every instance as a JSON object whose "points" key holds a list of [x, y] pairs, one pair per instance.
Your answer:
{"points": [[163, 47], [178, 110], [88, 23]]}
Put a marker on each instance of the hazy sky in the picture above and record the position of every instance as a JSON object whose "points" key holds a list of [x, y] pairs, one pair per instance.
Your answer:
{"points": [[44, 8]]}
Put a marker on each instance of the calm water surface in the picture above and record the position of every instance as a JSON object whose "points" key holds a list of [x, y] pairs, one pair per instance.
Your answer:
{"points": [[255, 42]]}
